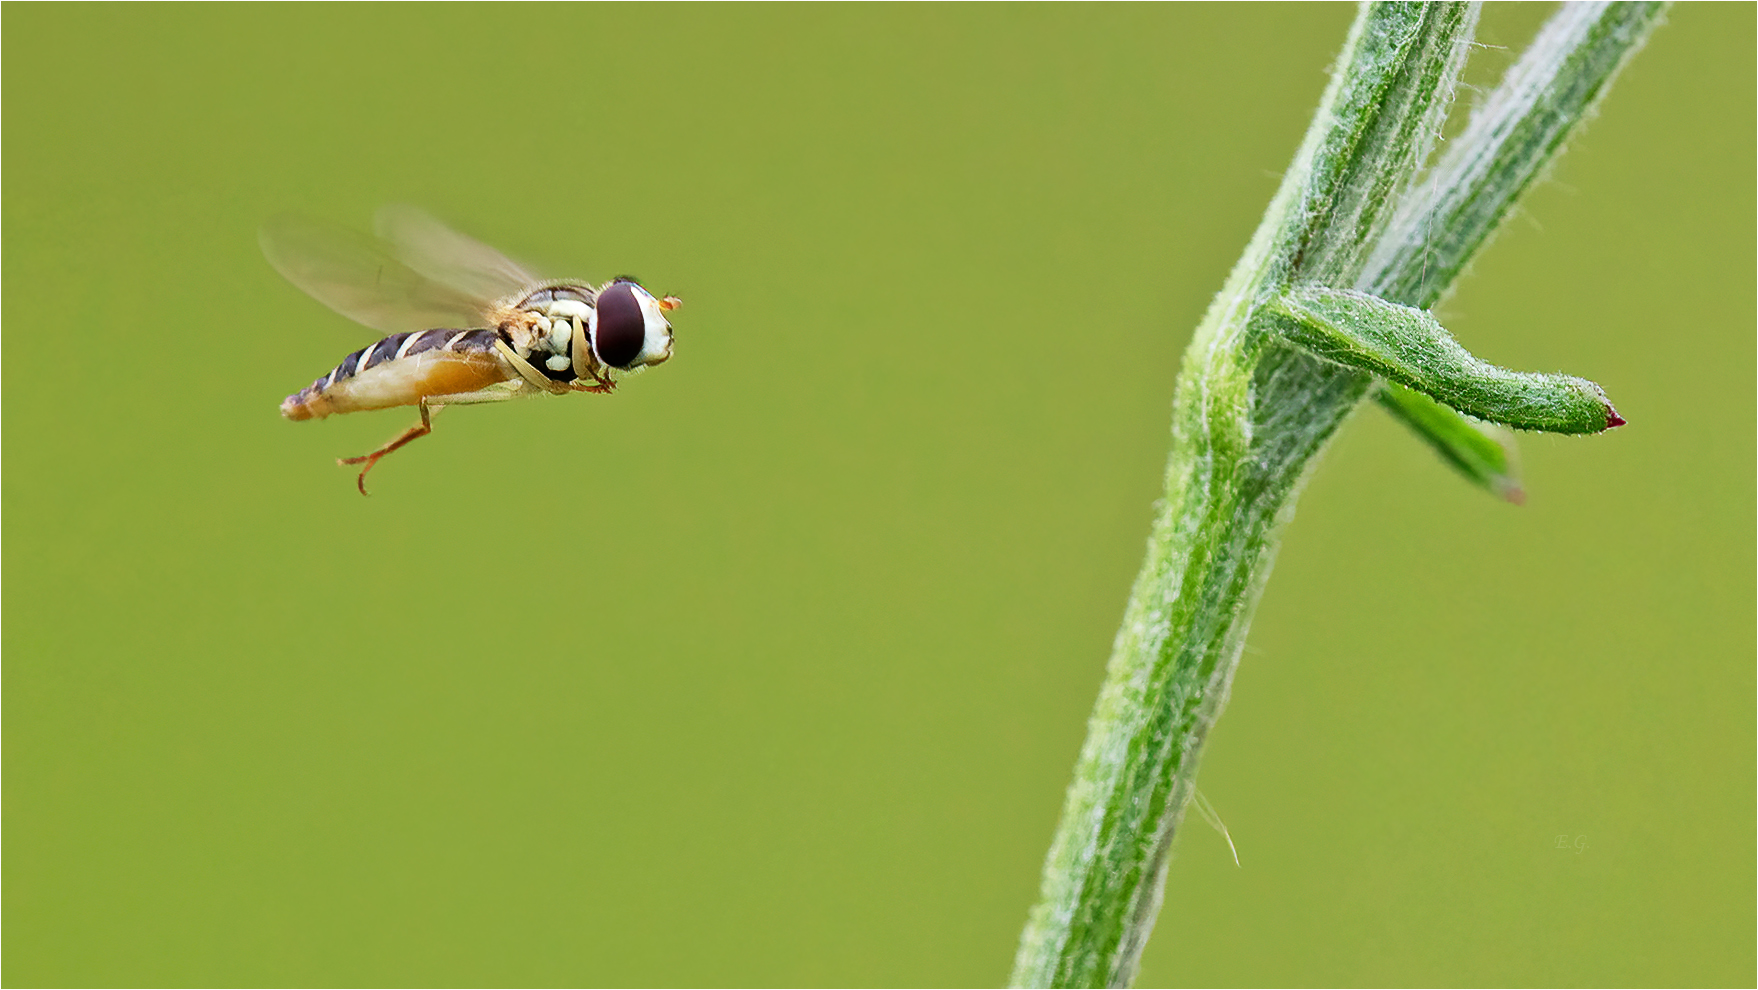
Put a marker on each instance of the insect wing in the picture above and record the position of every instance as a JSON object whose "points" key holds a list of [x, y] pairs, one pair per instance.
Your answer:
{"points": [[450, 258], [361, 279]]}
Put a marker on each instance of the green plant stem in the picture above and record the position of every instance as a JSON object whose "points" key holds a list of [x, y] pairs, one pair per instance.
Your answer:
{"points": [[1509, 143], [1252, 411], [1511, 139]]}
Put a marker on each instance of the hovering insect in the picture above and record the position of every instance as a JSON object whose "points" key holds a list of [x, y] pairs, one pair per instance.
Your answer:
{"points": [[466, 324]]}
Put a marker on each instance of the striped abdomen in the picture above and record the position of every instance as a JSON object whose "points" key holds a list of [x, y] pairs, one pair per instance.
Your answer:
{"points": [[401, 370]]}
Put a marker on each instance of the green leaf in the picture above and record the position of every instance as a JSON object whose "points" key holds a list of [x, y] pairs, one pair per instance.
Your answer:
{"points": [[1483, 454], [1409, 346], [1511, 138]]}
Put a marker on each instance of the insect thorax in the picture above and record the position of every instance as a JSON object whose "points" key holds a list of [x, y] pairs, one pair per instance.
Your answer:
{"points": [[541, 327]]}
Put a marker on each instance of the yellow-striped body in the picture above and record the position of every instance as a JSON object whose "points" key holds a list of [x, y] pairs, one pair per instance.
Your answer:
{"points": [[403, 369]]}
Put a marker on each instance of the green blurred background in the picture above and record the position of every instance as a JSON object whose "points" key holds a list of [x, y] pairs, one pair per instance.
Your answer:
{"points": [[772, 668]]}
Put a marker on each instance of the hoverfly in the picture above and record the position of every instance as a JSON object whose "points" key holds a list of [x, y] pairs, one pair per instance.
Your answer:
{"points": [[466, 325]]}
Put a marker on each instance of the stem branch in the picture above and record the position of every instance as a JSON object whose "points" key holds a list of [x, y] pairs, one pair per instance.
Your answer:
{"points": [[1252, 411]]}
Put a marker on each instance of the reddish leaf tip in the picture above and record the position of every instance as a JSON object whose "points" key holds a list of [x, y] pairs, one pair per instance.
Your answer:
{"points": [[1612, 419]]}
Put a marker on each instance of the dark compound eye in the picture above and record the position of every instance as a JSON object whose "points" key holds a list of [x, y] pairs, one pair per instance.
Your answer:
{"points": [[622, 327]]}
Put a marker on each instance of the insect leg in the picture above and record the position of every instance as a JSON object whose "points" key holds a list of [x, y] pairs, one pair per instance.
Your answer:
{"points": [[527, 371], [419, 430], [585, 365]]}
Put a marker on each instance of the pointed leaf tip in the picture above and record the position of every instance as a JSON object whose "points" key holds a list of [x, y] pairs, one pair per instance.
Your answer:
{"points": [[1612, 419]]}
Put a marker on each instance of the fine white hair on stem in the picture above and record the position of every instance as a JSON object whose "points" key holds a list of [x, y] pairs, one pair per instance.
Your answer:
{"points": [[1213, 818]]}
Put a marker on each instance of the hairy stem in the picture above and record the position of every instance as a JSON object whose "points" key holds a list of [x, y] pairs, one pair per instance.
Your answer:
{"points": [[1252, 411]]}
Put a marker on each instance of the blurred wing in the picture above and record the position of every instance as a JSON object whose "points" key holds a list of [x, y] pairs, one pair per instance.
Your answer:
{"points": [[448, 257], [359, 278]]}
